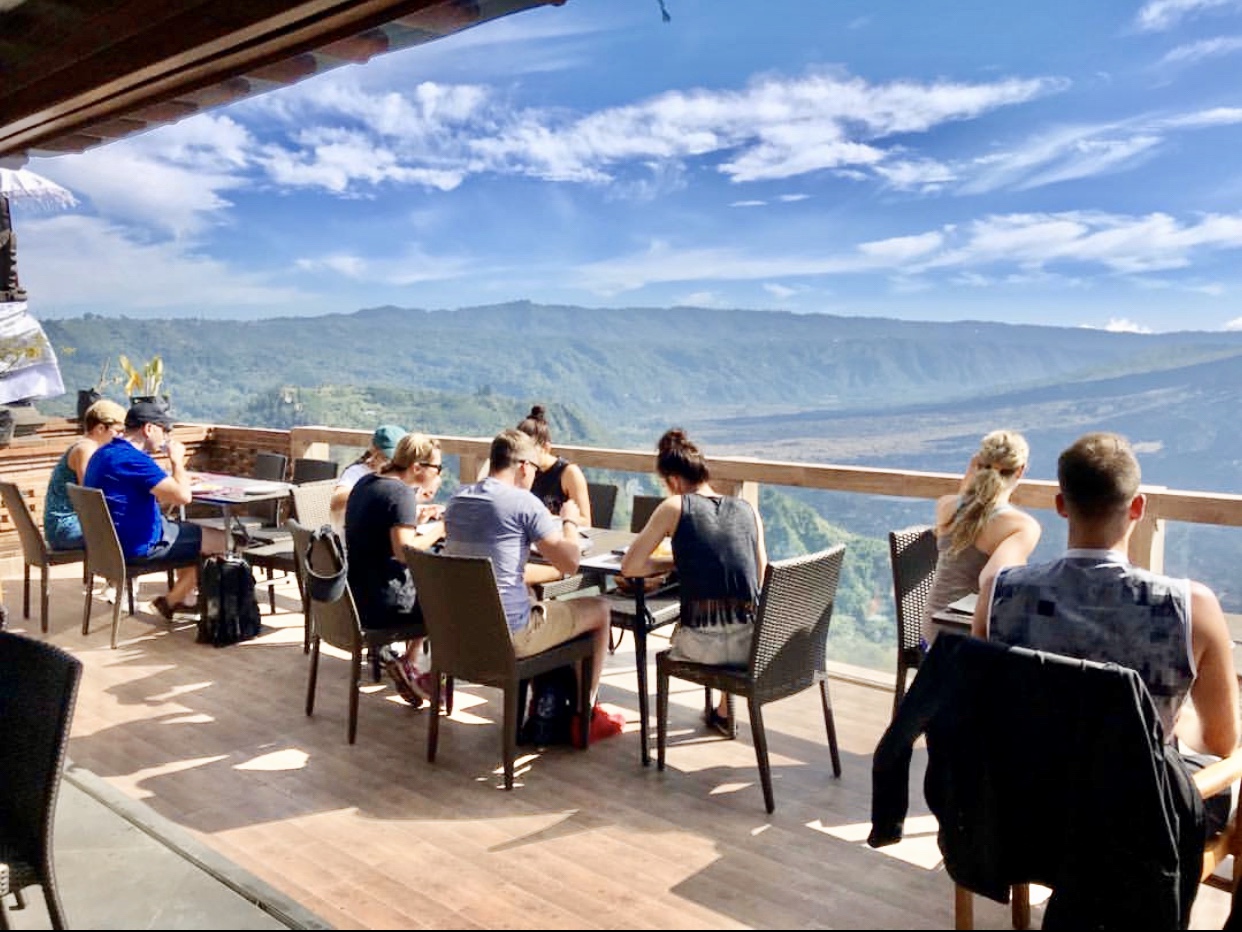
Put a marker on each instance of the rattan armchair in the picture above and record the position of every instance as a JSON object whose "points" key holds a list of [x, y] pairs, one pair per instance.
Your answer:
{"points": [[470, 640], [788, 654], [912, 552], [38, 689]]}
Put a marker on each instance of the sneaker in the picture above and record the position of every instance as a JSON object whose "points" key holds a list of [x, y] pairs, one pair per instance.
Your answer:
{"points": [[108, 594], [402, 678], [422, 682]]}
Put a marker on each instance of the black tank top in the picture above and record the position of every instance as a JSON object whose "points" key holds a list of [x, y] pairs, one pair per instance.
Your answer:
{"points": [[547, 485]]}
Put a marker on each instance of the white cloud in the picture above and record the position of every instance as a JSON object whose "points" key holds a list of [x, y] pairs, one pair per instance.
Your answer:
{"points": [[171, 179], [166, 277], [779, 291], [792, 198], [921, 174], [1202, 119], [701, 299], [749, 204], [413, 267], [1235, 324], [1159, 15], [1125, 325], [1020, 248], [1196, 52]]}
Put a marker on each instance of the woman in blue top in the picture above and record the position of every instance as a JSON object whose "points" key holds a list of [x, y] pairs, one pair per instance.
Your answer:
{"points": [[719, 554], [102, 421]]}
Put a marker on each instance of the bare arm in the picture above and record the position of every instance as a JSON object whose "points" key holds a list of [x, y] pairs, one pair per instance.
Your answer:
{"points": [[562, 551], [175, 490], [1020, 535], [1215, 689], [80, 455], [983, 607], [662, 523], [574, 485], [336, 504], [405, 536]]}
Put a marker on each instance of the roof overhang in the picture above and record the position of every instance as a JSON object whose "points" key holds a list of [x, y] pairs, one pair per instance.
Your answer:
{"points": [[75, 74]]}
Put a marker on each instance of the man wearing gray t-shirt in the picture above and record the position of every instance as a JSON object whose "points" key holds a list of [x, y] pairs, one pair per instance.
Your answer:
{"points": [[499, 517]]}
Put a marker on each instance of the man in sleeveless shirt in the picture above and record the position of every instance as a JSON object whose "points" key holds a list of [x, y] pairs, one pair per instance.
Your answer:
{"points": [[1094, 604]]}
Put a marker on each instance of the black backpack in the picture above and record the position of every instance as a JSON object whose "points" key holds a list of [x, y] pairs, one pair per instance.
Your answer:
{"points": [[227, 609], [553, 701]]}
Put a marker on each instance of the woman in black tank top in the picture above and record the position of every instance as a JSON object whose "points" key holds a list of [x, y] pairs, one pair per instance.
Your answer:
{"points": [[719, 555], [558, 480]]}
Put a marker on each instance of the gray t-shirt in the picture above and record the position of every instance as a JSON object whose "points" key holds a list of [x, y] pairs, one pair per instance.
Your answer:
{"points": [[497, 520]]}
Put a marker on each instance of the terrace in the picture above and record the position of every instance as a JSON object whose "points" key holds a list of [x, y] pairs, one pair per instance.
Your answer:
{"points": [[370, 835]]}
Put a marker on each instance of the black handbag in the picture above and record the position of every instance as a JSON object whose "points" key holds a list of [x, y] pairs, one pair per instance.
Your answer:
{"points": [[326, 587]]}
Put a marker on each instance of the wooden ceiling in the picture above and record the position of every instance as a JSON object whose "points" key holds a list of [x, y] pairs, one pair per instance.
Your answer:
{"points": [[78, 73]]}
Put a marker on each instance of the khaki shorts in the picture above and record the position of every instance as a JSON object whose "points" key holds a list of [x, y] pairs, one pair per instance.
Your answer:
{"points": [[551, 623]]}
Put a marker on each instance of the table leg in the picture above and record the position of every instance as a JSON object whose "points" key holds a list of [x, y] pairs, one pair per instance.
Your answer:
{"points": [[640, 660], [228, 528]]}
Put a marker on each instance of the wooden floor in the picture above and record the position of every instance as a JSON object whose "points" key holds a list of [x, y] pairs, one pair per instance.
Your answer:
{"points": [[372, 836]]}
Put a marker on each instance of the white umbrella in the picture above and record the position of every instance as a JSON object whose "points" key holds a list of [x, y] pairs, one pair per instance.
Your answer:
{"points": [[21, 184]]}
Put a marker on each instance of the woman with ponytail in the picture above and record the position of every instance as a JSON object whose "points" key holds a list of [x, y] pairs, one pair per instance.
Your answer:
{"points": [[557, 480], [977, 530]]}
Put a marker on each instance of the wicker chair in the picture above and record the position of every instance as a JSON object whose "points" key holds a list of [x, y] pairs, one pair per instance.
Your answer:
{"points": [[35, 551], [788, 654], [470, 639], [603, 499], [311, 502], [912, 552], [38, 688], [105, 558], [338, 623]]}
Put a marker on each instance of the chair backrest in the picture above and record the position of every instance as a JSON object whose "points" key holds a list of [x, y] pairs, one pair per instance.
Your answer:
{"points": [[312, 470], [311, 503], [463, 614], [790, 647], [269, 467], [38, 688], [912, 552], [336, 622], [642, 509], [33, 545], [104, 556], [603, 498]]}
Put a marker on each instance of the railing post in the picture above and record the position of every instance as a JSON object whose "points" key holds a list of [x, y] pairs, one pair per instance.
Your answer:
{"points": [[302, 447], [468, 466], [1147, 542]]}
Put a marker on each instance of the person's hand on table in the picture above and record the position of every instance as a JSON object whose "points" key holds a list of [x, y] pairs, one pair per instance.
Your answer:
{"points": [[428, 513]]}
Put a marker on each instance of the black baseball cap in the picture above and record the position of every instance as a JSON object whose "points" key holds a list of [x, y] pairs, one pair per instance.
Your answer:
{"points": [[148, 412]]}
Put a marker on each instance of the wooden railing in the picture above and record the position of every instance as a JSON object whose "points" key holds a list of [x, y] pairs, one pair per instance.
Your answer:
{"points": [[29, 461]]}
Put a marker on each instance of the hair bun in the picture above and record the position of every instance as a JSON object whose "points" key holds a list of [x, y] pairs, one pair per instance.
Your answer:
{"points": [[536, 413]]}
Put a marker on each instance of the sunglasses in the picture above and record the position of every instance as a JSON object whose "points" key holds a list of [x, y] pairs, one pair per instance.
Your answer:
{"points": [[438, 467]]}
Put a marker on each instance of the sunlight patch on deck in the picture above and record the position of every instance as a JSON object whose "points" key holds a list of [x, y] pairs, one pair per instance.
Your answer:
{"points": [[918, 847], [285, 759], [132, 783]]}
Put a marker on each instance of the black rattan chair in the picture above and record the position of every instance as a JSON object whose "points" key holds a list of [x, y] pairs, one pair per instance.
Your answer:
{"points": [[913, 554], [788, 655], [306, 469], [38, 688], [35, 551], [470, 639], [603, 499]]}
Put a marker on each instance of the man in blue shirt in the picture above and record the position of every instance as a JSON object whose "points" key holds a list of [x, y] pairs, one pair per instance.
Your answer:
{"points": [[136, 488]]}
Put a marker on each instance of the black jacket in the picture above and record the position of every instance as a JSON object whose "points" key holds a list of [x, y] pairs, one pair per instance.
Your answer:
{"points": [[1048, 770]]}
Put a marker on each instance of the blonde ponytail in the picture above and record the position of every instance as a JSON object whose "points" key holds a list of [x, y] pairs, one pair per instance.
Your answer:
{"points": [[1002, 454]]}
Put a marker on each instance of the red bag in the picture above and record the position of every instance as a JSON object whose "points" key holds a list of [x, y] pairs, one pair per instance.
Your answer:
{"points": [[606, 721]]}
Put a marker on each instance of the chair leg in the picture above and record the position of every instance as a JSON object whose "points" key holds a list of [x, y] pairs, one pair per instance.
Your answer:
{"points": [[355, 690], [963, 908], [585, 711], [43, 597], [1020, 905], [433, 726], [306, 623], [129, 591], [509, 737], [86, 609], [448, 695], [312, 677], [661, 709], [26, 594], [55, 911], [760, 739], [830, 723], [116, 621]]}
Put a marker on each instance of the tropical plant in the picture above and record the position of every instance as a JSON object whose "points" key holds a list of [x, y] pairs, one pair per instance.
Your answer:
{"points": [[144, 382]]}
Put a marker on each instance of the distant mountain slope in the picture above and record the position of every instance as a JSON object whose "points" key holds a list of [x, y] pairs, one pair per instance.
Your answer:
{"points": [[633, 368]]}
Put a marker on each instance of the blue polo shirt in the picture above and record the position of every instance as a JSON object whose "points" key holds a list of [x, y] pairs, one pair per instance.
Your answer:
{"points": [[126, 475]]}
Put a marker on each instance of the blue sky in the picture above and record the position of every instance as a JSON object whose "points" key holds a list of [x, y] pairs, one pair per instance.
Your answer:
{"points": [[1065, 163]]}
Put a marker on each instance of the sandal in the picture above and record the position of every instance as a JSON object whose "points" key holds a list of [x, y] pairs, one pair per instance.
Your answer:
{"points": [[162, 608], [720, 723]]}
